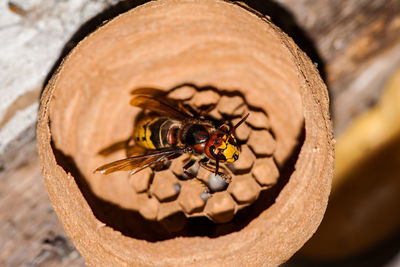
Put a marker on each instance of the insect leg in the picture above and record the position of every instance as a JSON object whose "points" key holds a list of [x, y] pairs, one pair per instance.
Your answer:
{"points": [[186, 109], [207, 110], [186, 173], [206, 189], [192, 175], [151, 163], [206, 164]]}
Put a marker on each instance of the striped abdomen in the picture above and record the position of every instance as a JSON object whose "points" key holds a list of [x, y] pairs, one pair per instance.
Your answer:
{"points": [[155, 133]]}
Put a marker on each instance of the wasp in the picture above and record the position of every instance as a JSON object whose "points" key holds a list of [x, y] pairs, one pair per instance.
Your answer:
{"points": [[171, 129]]}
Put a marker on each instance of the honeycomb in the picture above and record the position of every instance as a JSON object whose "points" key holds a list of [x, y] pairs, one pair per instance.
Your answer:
{"points": [[166, 192]]}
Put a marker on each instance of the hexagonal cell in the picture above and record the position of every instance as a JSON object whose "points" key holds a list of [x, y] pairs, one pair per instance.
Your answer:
{"points": [[171, 216], [190, 197], [167, 209], [245, 161], [174, 223], [141, 181], [215, 114], [259, 120], [182, 93], [241, 111], [220, 207], [204, 98], [164, 185], [203, 174], [148, 206], [243, 131], [265, 171], [177, 165], [231, 105], [262, 143], [244, 189]]}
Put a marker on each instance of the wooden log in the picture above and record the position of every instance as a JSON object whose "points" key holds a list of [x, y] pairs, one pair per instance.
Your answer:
{"points": [[31, 234], [356, 44]]}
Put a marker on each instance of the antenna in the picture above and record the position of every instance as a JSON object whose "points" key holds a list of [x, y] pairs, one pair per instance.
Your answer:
{"points": [[238, 124]]}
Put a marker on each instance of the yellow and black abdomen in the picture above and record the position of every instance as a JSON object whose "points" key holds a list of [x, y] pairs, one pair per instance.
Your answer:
{"points": [[152, 133]]}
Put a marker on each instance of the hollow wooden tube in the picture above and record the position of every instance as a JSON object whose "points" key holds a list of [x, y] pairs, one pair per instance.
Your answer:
{"points": [[162, 44]]}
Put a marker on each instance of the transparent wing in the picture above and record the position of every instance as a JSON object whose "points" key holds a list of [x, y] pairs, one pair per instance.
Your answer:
{"points": [[156, 100], [135, 162]]}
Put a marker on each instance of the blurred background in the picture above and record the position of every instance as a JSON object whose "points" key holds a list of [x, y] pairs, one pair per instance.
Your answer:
{"points": [[355, 45]]}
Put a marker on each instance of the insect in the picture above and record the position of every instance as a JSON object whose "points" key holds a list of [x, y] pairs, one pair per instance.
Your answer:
{"points": [[171, 129]]}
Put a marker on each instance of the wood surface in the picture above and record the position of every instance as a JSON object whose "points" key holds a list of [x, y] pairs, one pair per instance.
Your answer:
{"points": [[355, 43], [31, 234]]}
